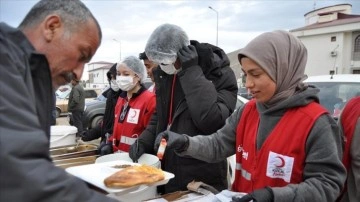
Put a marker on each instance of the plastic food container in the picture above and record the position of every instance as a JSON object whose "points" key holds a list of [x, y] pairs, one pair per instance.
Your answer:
{"points": [[62, 135]]}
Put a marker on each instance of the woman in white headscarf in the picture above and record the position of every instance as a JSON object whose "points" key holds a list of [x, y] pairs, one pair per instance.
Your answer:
{"points": [[287, 146]]}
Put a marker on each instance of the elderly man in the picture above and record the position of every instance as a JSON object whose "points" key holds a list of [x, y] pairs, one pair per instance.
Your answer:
{"points": [[49, 48]]}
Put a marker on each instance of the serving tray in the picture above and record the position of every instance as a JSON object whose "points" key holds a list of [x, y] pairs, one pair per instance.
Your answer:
{"points": [[96, 173]]}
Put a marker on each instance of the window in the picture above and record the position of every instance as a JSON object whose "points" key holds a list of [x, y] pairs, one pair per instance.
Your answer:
{"points": [[357, 44], [356, 54], [334, 95], [333, 38]]}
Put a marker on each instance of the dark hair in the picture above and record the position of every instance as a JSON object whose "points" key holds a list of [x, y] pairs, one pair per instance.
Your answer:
{"points": [[142, 56], [72, 12], [112, 71]]}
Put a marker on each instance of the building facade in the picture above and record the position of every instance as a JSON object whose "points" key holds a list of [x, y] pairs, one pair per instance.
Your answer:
{"points": [[97, 74], [332, 38]]}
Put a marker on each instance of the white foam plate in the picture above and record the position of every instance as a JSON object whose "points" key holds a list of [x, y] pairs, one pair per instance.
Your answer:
{"points": [[96, 173]]}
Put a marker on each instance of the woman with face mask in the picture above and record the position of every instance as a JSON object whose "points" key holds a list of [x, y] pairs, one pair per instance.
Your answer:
{"points": [[134, 106]]}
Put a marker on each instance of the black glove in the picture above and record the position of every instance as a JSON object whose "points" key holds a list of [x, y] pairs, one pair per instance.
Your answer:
{"points": [[136, 150], [105, 148], [259, 195], [176, 141], [91, 134], [188, 56], [84, 135]]}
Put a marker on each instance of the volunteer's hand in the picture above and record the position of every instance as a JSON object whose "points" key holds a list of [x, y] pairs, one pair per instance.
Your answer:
{"points": [[259, 195], [176, 141], [85, 136], [136, 150], [106, 149], [188, 56]]}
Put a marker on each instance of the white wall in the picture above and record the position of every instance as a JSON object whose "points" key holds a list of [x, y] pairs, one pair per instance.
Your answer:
{"points": [[319, 45], [99, 78], [319, 49]]}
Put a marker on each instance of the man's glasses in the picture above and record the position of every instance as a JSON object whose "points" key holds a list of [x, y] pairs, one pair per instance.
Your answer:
{"points": [[124, 111]]}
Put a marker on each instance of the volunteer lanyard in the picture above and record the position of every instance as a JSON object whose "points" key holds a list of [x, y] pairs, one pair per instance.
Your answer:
{"points": [[124, 111], [171, 102]]}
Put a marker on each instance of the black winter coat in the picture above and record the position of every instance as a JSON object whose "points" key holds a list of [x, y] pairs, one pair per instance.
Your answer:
{"points": [[108, 120], [204, 96]]}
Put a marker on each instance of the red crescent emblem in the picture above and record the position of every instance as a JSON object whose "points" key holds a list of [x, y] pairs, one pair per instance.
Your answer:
{"points": [[282, 162], [133, 115]]}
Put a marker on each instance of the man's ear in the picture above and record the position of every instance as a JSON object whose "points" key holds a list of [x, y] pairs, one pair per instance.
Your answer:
{"points": [[52, 25], [177, 63]]}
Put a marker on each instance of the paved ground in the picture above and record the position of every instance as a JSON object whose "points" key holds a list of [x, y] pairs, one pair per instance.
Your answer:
{"points": [[62, 120]]}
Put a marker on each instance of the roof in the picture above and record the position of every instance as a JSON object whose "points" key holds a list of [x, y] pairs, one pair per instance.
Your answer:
{"points": [[100, 62], [107, 67], [326, 8], [342, 20], [344, 78]]}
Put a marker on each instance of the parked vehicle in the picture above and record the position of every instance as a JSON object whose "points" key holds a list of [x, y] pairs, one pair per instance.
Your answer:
{"points": [[94, 112], [62, 99], [62, 90], [336, 90], [243, 92], [240, 101]]}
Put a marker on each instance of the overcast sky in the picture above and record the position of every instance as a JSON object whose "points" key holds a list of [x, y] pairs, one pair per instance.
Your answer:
{"points": [[131, 22]]}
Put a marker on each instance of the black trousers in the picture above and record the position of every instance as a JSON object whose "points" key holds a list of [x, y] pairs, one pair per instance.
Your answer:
{"points": [[77, 121]]}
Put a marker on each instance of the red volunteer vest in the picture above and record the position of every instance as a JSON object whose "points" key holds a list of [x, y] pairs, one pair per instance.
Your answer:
{"points": [[349, 116], [348, 119], [137, 117], [280, 160]]}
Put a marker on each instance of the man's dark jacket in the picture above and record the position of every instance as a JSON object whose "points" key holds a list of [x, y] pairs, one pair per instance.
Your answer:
{"points": [[76, 99], [27, 172], [108, 120], [204, 96]]}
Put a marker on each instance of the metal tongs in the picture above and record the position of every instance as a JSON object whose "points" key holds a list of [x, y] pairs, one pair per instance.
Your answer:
{"points": [[137, 144]]}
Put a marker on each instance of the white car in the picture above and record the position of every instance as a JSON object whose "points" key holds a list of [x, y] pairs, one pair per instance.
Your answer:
{"points": [[240, 101], [336, 90]]}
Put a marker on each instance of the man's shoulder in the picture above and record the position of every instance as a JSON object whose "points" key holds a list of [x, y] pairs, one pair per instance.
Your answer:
{"points": [[79, 87]]}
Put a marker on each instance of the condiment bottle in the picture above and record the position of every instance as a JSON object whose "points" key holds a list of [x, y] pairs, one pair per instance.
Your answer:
{"points": [[161, 150]]}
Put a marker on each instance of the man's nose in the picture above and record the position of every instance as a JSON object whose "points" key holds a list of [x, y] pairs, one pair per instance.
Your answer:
{"points": [[78, 71]]}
